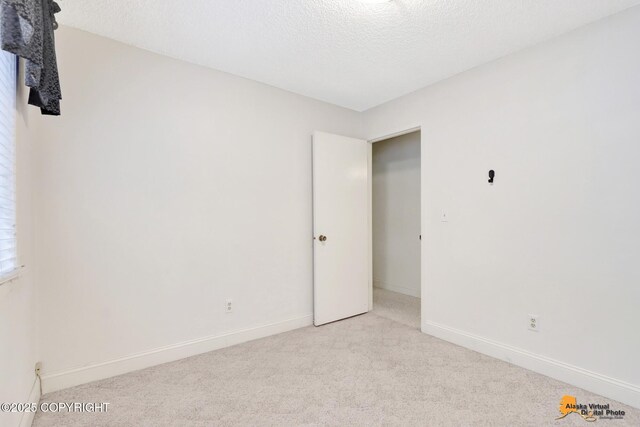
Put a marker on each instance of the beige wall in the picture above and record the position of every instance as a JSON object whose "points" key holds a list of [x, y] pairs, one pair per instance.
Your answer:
{"points": [[396, 214], [164, 189], [557, 234], [17, 297]]}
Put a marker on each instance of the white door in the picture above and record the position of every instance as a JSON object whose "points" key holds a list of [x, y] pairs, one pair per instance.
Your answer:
{"points": [[341, 207]]}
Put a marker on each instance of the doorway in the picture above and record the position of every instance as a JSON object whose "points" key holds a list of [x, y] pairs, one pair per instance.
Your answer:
{"points": [[396, 235]]}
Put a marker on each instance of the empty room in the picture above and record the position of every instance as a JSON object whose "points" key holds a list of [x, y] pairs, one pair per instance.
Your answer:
{"points": [[395, 219], [319, 213]]}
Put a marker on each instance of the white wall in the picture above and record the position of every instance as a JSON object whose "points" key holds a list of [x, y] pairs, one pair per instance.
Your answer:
{"points": [[396, 214], [163, 189], [17, 298], [558, 234]]}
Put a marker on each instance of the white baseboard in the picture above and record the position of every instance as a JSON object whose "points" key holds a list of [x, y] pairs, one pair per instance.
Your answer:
{"points": [[606, 386], [73, 377], [394, 288], [34, 397]]}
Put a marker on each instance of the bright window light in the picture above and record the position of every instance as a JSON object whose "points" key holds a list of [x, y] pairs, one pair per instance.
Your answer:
{"points": [[8, 252]]}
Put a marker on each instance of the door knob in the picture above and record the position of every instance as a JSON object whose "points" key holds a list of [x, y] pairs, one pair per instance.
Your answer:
{"points": [[322, 238]]}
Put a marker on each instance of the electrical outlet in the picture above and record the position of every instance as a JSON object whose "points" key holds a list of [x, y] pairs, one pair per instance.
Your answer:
{"points": [[533, 321], [228, 306]]}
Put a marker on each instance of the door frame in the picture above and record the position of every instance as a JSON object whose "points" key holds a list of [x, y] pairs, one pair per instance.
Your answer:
{"points": [[370, 210]]}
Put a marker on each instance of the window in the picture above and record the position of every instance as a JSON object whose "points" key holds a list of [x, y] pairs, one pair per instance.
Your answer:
{"points": [[8, 252]]}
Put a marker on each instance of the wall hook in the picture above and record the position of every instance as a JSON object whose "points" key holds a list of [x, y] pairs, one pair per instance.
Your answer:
{"points": [[491, 175]]}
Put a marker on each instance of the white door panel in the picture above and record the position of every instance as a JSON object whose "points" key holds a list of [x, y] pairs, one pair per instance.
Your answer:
{"points": [[341, 215]]}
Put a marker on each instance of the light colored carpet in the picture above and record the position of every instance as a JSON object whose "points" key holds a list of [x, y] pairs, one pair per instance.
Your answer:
{"points": [[399, 307], [364, 371]]}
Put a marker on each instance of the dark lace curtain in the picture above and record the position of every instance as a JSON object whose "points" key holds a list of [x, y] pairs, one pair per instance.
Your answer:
{"points": [[26, 30]]}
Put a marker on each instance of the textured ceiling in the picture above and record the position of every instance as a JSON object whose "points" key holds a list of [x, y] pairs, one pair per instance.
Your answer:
{"points": [[346, 52]]}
